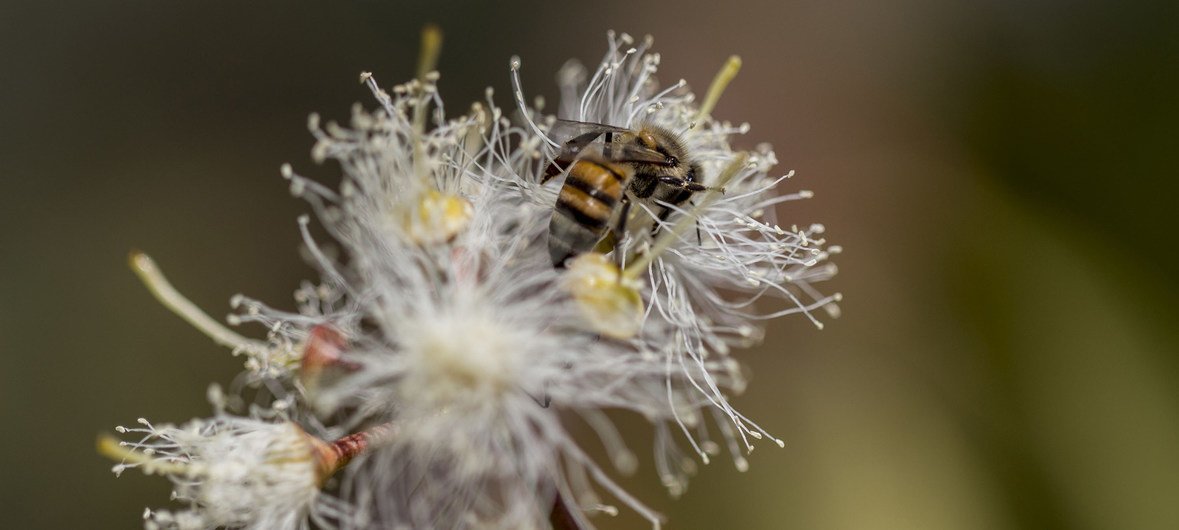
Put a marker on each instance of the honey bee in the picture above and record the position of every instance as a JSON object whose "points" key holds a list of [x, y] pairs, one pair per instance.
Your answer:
{"points": [[608, 168]]}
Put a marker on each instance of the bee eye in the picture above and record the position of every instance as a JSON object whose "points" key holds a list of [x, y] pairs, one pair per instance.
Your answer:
{"points": [[673, 161]]}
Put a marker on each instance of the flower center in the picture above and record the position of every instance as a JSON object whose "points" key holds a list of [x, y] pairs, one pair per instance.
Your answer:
{"points": [[462, 357]]}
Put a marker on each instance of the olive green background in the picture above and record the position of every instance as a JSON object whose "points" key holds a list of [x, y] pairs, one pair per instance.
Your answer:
{"points": [[1001, 174]]}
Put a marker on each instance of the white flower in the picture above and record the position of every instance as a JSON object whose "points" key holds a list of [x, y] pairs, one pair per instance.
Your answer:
{"points": [[708, 268], [233, 472]]}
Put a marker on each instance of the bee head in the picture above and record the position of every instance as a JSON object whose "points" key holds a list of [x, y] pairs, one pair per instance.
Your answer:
{"points": [[667, 143], [646, 138]]}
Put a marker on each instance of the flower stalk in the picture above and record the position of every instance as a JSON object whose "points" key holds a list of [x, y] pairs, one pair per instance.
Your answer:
{"points": [[331, 457]]}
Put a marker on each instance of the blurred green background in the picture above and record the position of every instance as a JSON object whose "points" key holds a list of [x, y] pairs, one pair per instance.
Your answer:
{"points": [[1001, 175]]}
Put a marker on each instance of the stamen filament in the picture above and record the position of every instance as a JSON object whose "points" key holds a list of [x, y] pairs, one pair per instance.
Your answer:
{"points": [[431, 47], [114, 449], [719, 83], [154, 280]]}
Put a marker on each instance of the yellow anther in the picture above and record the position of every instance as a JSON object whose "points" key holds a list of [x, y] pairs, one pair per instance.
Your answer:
{"points": [[610, 302], [439, 217]]}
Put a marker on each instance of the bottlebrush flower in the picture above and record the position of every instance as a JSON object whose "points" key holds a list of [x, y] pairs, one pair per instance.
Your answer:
{"points": [[234, 472], [440, 324]]}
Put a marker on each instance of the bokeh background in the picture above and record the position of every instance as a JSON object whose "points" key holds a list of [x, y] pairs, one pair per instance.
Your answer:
{"points": [[1001, 175]]}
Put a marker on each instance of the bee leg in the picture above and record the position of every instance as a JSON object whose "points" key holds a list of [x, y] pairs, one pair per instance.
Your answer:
{"points": [[699, 240], [687, 184], [545, 402], [662, 219], [619, 230]]}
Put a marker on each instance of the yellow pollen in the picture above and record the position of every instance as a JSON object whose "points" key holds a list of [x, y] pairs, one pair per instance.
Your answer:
{"points": [[438, 217], [609, 301]]}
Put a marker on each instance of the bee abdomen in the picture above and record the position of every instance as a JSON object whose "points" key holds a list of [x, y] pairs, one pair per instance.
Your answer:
{"points": [[599, 181], [568, 239], [583, 210]]}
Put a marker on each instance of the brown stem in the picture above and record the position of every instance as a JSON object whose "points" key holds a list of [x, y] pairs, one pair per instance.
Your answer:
{"points": [[335, 455]]}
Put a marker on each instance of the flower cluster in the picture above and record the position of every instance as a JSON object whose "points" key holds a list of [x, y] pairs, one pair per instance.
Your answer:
{"points": [[434, 375]]}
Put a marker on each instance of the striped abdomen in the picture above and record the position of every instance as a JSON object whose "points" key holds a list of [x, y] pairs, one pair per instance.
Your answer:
{"points": [[585, 208]]}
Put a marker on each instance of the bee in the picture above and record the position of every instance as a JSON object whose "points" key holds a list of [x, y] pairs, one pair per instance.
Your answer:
{"points": [[608, 169]]}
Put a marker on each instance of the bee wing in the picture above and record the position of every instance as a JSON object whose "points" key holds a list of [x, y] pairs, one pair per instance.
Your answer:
{"points": [[621, 153], [580, 140], [566, 131]]}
